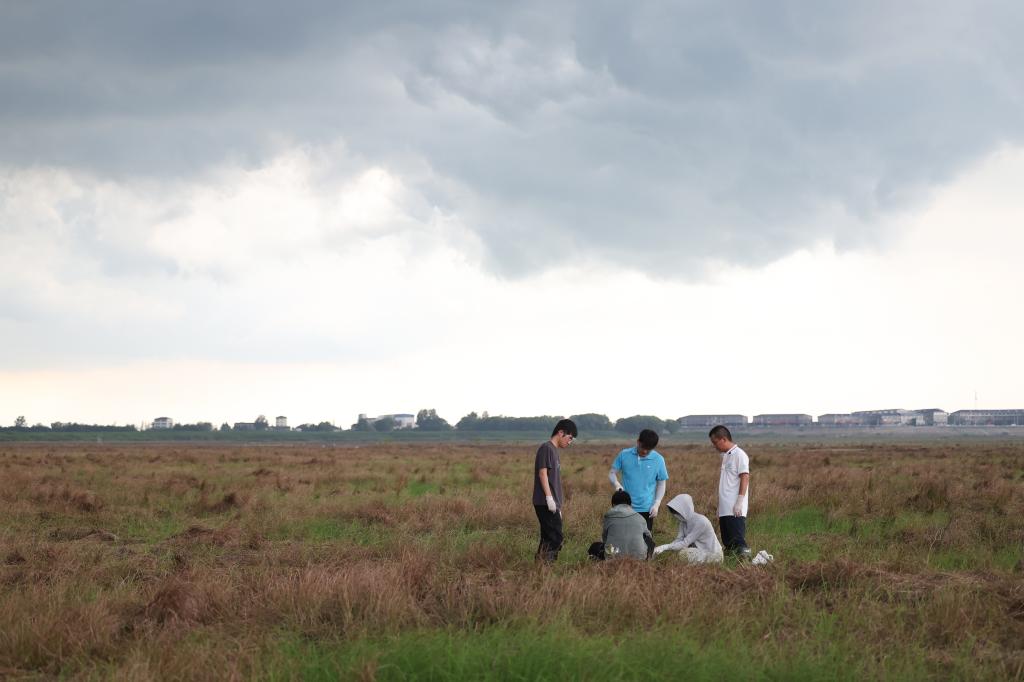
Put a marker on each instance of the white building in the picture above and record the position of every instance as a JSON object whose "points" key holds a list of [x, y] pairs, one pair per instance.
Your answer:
{"points": [[281, 423], [402, 421], [162, 423]]}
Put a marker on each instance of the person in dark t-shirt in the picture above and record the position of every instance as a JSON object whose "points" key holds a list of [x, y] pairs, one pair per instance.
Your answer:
{"points": [[547, 489]]}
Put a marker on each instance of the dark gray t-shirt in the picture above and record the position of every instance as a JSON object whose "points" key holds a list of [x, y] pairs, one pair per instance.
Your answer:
{"points": [[547, 458]]}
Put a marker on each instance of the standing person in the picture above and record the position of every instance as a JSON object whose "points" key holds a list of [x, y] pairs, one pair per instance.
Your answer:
{"points": [[643, 475], [547, 489], [696, 541], [733, 488]]}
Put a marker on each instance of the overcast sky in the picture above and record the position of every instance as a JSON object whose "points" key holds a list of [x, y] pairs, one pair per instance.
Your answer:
{"points": [[315, 209]]}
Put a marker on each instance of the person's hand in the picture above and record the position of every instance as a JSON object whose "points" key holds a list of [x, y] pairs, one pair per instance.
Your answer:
{"points": [[654, 511], [737, 509], [659, 549], [552, 507]]}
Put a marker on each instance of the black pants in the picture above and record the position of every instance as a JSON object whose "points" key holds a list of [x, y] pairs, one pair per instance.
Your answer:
{"points": [[649, 519], [734, 532], [550, 533]]}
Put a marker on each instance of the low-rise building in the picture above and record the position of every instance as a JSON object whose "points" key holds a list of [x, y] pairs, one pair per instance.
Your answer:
{"points": [[890, 417], [402, 420], [163, 423], [782, 420], [933, 416], [845, 419], [987, 418], [281, 424], [244, 426], [706, 421]]}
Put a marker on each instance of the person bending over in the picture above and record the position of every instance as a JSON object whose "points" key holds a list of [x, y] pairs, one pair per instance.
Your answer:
{"points": [[696, 541], [643, 475]]}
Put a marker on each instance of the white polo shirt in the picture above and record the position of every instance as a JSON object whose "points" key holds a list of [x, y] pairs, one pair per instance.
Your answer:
{"points": [[734, 463]]}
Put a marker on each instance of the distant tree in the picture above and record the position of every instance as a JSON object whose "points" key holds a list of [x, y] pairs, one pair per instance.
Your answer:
{"points": [[471, 422], [468, 423], [385, 424], [325, 426], [261, 423], [592, 421], [225, 427], [428, 420], [20, 423], [73, 427], [638, 422], [200, 426]]}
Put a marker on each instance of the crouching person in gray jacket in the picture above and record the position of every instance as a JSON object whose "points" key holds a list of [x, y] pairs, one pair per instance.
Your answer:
{"points": [[625, 532], [696, 541]]}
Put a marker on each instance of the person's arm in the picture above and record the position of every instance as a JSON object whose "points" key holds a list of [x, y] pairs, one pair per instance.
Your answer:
{"points": [[613, 473], [614, 478], [676, 544], [542, 475], [737, 509], [659, 495]]}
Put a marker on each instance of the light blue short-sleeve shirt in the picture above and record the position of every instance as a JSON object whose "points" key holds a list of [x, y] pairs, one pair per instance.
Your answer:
{"points": [[640, 476]]}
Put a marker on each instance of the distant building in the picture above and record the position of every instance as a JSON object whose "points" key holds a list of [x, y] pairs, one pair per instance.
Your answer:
{"points": [[402, 421], [281, 424], [706, 421], [405, 421], [933, 416], [890, 417], [782, 420], [839, 420], [987, 418], [244, 426], [163, 423]]}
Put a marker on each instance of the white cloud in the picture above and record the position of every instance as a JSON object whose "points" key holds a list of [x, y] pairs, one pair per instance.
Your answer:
{"points": [[380, 326]]}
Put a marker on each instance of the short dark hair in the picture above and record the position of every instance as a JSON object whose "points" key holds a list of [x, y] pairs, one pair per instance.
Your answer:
{"points": [[621, 497], [648, 439], [566, 425], [719, 432]]}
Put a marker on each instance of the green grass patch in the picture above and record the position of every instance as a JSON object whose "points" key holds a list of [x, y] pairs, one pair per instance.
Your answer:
{"points": [[418, 488], [329, 530], [549, 653]]}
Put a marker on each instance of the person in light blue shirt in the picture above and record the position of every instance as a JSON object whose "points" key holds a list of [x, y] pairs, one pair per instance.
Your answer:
{"points": [[643, 475]]}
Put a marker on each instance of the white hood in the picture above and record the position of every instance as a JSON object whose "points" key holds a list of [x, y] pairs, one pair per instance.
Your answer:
{"points": [[682, 505]]}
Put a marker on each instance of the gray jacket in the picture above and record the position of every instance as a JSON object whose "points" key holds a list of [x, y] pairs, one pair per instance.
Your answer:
{"points": [[624, 530]]}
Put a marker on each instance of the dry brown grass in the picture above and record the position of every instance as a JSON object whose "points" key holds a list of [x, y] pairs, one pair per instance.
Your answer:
{"points": [[155, 561]]}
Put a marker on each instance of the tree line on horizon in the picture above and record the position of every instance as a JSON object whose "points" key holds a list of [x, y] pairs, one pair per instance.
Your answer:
{"points": [[426, 420]]}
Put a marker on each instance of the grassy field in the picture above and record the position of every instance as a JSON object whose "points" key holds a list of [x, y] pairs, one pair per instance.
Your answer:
{"points": [[415, 562]]}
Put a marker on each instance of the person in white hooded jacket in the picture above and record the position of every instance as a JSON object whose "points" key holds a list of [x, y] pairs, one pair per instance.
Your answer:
{"points": [[696, 541]]}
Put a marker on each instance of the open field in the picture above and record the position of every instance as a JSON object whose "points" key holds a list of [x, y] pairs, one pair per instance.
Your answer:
{"points": [[405, 561]]}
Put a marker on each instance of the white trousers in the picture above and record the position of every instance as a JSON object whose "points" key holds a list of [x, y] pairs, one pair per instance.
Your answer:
{"points": [[700, 556]]}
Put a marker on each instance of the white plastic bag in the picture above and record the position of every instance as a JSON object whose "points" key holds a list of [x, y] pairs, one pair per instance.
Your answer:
{"points": [[763, 558]]}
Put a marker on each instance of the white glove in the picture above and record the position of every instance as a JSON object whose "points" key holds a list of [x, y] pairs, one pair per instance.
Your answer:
{"points": [[654, 511], [737, 509], [659, 549], [552, 507]]}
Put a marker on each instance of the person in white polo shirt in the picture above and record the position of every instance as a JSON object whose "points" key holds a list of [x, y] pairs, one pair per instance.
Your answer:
{"points": [[733, 491]]}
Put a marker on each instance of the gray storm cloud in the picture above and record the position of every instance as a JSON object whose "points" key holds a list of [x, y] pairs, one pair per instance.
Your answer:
{"points": [[650, 135]]}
